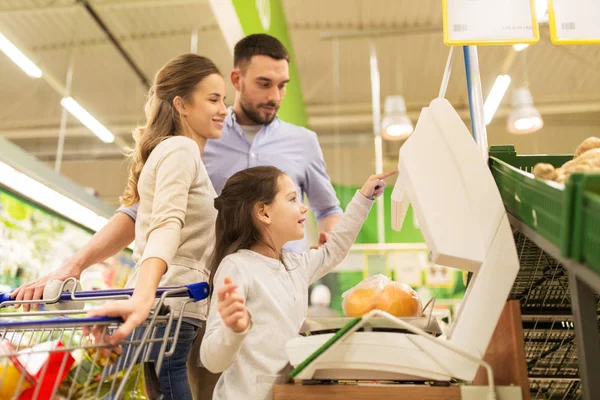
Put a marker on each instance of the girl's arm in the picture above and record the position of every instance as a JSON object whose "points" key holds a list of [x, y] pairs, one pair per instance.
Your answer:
{"points": [[322, 260], [228, 319]]}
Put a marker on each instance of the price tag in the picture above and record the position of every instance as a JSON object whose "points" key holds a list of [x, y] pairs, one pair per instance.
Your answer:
{"points": [[375, 263], [574, 21], [485, 22], [439, 276], [407, 266]]}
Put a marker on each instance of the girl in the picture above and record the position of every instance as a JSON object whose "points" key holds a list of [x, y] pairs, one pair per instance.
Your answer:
{"points": [[175, 220], [260, 295]]}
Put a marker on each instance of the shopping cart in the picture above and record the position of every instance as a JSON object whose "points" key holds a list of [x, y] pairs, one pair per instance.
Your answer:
{"points": [[45, 354]]}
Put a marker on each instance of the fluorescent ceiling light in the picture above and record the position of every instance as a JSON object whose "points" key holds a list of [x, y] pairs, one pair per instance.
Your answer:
{"points": [[19, 58], [495, 97], [87, 119], [520, 47], [42, 194]]}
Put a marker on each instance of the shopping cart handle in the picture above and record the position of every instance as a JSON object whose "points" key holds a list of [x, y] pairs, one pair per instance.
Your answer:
{"points": [[196, 291], [4, 297], [58, 322]]}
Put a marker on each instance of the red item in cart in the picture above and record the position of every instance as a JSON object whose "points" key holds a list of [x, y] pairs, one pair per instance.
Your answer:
{"points": [[13, 375], [48, 366]]}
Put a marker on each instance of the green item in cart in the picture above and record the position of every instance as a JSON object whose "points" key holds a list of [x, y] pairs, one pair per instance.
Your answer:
{"points": [[147, 387], [141, 384], [90, 365]]}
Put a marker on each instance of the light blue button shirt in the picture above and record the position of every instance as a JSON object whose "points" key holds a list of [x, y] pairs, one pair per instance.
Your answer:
{"points": [[293, 149]]}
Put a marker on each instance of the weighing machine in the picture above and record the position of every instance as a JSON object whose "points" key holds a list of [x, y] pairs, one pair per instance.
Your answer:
{"points": [[465, 226]]}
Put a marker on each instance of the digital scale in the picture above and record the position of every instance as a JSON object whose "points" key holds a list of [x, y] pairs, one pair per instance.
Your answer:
{"points": [[465, 226]]}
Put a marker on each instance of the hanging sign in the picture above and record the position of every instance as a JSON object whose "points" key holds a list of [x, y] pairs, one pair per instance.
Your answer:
{"points": [[487, 22], [574, 21]]}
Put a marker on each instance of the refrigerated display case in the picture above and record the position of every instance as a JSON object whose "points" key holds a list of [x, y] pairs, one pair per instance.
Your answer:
{"points": [[35, 241]]}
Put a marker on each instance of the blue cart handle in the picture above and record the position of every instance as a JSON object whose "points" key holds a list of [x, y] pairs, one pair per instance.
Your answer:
{"points": [[196, 291], [58, 322]]}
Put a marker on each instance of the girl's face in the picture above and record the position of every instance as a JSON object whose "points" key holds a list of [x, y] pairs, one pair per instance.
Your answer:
{"points": [[285, 216], [206, 110]]}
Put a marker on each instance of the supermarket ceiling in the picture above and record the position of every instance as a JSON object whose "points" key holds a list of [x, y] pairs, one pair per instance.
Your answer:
{"points": [[334, 74]]}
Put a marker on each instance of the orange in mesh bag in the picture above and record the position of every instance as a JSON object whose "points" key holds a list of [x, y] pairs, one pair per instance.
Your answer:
{"points": [[379, 292]]}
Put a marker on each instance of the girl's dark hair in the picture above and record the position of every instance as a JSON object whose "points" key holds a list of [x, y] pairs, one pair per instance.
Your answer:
{"points": [[235, 228]]}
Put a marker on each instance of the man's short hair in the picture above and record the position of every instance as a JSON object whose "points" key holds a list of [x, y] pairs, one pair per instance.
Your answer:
{"points": [[258, 44]]}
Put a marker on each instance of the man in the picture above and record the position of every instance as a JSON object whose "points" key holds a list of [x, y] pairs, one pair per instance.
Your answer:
{"points": [[252, 136]]}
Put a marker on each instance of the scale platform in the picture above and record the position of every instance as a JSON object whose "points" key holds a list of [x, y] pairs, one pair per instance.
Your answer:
{"points": [[320, 326]]}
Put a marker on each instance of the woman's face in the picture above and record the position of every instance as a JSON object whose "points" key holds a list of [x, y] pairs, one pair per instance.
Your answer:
{"points": [[205, 112]]}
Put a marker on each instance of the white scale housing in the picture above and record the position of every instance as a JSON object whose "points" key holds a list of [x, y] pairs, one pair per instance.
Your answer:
{"points": [[463, 220]]}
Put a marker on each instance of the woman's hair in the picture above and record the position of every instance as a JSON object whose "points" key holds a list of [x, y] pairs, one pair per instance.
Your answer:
{"points": [[178, 77], [236, 227]]}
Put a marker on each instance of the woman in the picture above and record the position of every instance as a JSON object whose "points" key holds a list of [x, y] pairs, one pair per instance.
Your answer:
{"points": [[175, 221]]}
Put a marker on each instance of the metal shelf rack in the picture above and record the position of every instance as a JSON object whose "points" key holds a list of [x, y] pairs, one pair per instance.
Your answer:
{"points": [[560, 308]]}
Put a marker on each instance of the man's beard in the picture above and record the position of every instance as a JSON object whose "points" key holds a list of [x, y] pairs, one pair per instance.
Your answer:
{"points": [[255, 117]]}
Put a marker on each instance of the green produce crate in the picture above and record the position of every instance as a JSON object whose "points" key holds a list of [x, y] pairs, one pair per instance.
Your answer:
{"points": [[591, 231], [545, 208], [586, 220]]}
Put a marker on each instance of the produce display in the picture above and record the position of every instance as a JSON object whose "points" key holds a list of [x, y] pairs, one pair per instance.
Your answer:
{"points": [[381, 293], [585, 159], [34, 242]]}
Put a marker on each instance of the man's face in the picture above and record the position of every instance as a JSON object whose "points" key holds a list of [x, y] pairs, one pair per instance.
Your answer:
{"points": [[262, 86]]}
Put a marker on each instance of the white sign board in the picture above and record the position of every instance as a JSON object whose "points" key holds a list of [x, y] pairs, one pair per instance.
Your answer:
{"points": [[574, 21], [481, 22]]}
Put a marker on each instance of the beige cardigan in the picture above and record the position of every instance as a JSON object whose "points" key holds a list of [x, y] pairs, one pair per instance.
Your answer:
{"points": [[176, 217]]}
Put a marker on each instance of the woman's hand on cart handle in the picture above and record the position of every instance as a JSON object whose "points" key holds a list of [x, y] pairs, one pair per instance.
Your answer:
{"points": [[35, 289], [133, 311]]}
